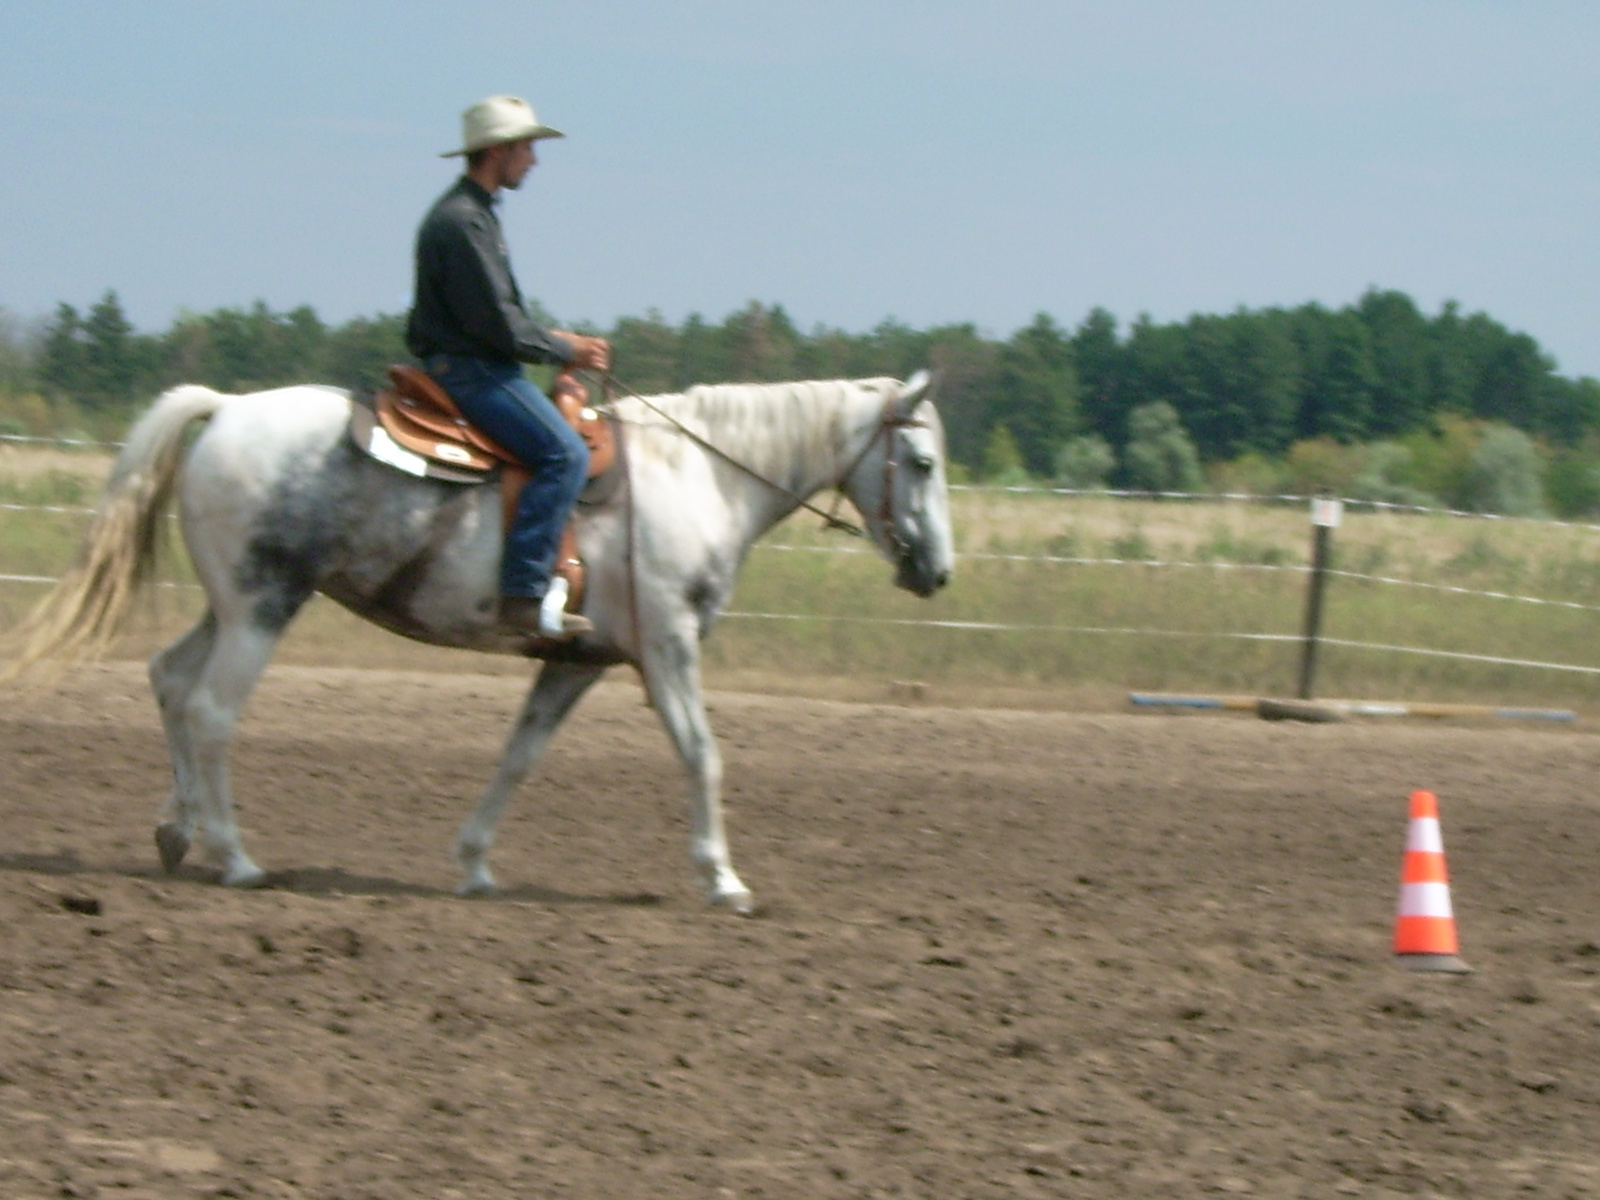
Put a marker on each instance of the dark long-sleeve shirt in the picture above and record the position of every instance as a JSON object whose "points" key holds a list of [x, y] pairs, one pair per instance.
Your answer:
{"points": [[467, 302]]}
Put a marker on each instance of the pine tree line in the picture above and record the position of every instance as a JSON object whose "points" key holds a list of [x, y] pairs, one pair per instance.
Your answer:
{"points": [[1376, 395]]}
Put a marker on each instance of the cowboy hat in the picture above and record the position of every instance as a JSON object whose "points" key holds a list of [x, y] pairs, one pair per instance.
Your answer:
{"points": [[499, 119]]}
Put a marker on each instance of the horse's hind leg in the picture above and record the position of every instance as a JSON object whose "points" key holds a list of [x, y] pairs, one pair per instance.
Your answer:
{"points": [[558, 688], [173, 674], [205, 714]]}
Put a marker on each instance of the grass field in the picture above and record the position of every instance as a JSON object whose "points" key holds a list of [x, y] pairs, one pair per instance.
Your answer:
{"points": [[1243, 582], [853, 633]]}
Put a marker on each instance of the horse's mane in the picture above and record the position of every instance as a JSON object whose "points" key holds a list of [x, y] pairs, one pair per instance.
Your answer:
{"points": [[773, 428]]}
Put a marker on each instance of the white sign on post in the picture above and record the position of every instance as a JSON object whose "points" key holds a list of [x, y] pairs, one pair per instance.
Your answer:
{"points": [[1327, 512]]}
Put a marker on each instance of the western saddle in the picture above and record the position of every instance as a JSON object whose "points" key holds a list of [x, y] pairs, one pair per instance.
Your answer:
{"points": [[415, 425]]}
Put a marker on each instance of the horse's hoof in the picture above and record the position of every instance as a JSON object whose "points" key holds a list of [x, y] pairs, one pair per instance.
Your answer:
{"points": [[172, 844], [471, 888], [245, 877], [742, 903]]}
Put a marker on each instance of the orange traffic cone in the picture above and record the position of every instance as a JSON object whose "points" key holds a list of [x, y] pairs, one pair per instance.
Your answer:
{"points": [[1425, 928]]}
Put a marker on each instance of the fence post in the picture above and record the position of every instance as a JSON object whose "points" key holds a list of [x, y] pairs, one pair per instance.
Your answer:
{"points": [[1326, 512]]}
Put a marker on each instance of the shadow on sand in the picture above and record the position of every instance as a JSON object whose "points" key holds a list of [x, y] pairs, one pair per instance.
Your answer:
{"points": [[313, 881]]}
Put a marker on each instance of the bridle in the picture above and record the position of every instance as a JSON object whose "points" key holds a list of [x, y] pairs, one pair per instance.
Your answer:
{"points": [[890, 422]]}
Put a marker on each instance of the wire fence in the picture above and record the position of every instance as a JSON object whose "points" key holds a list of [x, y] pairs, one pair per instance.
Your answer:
{"points": [[1054, 560], [1051, 559], [1143, 562], [1284, 638], [77, 443], [1280, 498], [1284, 568]]}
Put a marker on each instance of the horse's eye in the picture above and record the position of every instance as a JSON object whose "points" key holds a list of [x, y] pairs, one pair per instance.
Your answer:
{"points": [[923, 463]]}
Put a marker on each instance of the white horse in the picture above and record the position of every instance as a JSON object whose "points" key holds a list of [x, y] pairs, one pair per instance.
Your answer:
{"points": [[276, 503]]}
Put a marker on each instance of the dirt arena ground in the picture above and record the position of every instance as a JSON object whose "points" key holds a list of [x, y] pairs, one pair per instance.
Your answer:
{"points": [[999, 954]]}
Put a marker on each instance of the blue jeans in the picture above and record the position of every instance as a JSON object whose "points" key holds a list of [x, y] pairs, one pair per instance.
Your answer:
{"points": [[502, 402]]}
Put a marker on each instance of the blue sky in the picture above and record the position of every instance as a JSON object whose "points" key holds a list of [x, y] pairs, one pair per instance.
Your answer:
{"points": [[933, 162]]}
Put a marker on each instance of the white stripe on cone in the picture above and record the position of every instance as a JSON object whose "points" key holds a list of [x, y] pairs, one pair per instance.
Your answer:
{"points": [[1425, 900], [1423, 835]]}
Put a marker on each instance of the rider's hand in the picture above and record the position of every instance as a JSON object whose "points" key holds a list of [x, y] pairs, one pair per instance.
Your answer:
{"points": [[590, 353]]}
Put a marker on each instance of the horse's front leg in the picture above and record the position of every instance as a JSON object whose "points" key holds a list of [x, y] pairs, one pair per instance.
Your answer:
{"points": [[558, 687], [672, 675]]}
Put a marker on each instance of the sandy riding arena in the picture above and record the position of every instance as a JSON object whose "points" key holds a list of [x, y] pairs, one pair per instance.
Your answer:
{"points": [[997, 954]]}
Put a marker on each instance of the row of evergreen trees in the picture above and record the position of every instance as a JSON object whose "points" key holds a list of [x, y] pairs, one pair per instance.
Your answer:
{"points": [[1369, 392], [99, 362]]}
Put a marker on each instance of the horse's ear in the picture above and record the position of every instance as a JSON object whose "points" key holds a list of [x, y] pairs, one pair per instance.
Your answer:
{"points": [[913, 392]]}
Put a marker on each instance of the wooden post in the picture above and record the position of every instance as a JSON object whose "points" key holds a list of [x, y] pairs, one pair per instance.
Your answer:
{"points": [[1326, 512]]}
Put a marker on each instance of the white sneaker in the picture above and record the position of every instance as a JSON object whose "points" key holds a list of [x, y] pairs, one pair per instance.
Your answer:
{"points": [[553, 615], [538, 619]]}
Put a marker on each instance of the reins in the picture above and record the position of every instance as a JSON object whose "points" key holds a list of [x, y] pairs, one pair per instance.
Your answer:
{"points": [[830, 519], [632, 549]]}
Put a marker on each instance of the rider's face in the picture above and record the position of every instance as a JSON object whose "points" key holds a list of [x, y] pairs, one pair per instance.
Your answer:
{"points": [[515, 163]]}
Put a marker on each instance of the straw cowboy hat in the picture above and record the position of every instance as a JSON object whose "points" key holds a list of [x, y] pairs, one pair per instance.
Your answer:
{"points": [[499, 119]]}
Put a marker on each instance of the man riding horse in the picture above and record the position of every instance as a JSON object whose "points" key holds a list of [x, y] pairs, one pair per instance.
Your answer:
{"points": [[277, 501], [470, 331]]}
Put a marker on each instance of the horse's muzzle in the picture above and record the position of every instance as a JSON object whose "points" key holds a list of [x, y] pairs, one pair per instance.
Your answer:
{"points": [[918, 576]]}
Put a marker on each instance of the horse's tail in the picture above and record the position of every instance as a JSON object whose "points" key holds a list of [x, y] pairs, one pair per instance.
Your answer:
{"points": [[81, 615]]}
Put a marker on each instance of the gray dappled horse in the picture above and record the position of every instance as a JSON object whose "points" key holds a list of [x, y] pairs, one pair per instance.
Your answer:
{"points": [[276, 503]]}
